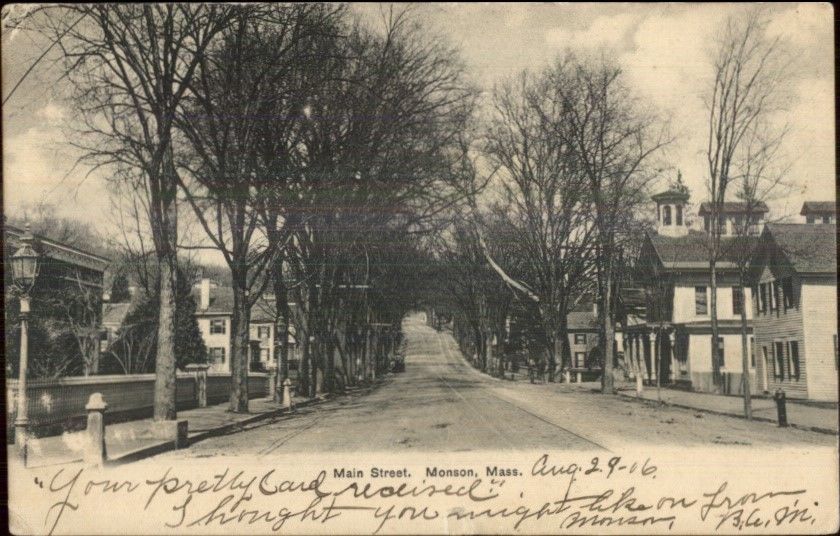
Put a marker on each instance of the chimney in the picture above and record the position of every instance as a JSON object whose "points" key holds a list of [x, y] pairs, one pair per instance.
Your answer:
{"points": [[205, 294]]}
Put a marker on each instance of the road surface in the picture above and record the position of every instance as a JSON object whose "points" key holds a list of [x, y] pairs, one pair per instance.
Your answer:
{"points": [[442, 404]]}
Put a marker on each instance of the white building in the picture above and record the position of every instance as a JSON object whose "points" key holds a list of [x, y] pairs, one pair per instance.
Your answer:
{"points": [[819, 211], [214, 313], [795, 273], [673, 267]]}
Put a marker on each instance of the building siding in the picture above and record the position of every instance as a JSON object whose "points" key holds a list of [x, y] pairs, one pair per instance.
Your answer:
{"points": [[781, 326], [265, 344], [819, 305], [216, 340], [684, 303]]}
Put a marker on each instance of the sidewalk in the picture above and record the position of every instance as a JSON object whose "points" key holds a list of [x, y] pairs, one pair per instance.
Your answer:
{"points": [[130, 441], [799, 415]]}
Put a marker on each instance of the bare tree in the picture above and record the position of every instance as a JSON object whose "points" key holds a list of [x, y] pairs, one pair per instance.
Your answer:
{"points": [[749, 75], [81, 311], [376, 155], [760, 179], [130, 67], [547, 193], [223, 170], [614, 141]]}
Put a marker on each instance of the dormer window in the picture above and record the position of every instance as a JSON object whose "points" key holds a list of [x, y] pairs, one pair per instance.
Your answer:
{"points": [[666, 215], [679, 215]]}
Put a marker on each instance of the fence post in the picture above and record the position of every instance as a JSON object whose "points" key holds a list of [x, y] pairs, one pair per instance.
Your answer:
{"points": [[781, 408], [94, 453], [272, 380], [199, 371], [287, 393]]}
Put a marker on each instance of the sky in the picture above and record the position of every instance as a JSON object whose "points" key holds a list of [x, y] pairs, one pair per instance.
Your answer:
{"points": [[663, 50]]}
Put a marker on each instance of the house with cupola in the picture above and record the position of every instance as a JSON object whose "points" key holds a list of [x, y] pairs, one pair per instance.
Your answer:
{"points": [[672, 343]]}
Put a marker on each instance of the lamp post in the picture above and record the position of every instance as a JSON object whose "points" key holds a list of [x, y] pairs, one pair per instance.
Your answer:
{"points": [[24, 271]]}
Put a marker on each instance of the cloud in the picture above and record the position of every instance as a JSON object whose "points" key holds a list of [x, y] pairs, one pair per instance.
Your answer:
{"points": [[608, 32], [38, 167], [53, 113]]}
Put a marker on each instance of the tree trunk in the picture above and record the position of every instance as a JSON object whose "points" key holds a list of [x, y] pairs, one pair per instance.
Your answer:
{"points": [[329, 372], [239, 337], [716, 379], [607, 333], [303, 371], [558, 351], [281, 322], [565, 349], [165, 358], [488, 349], [745, 358]]}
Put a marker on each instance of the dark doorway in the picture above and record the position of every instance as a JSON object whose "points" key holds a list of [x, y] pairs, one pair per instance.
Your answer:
{"points": [[664, 358]]}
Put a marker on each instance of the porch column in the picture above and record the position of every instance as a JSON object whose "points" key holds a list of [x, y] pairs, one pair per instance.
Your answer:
{"points": [[653, 347], [649, 356], [625, 347], [672, 337]]}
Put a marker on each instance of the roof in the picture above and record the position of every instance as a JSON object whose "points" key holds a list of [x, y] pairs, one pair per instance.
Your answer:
{"points": [[733, 207], [668, 195], [810, 207], [221, 303], [691, 251], [57, 250], [115, 313], [809, 248], [579, 320]]}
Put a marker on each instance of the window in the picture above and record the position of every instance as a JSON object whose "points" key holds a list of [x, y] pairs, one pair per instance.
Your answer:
{"points": [[787, 293], [810, 219], [774, 295], [752, 352], [217, 326], [580, 338], [700, 301], [263, 354], [762, 296], [217, 355], [779, 355], [737, 300], [679, 215], [826, 219], [580, 359], [793, 359], [263, 332], [294, 364], [666, 215]]}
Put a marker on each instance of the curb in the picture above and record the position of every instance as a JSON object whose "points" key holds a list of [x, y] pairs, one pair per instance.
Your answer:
{"points": [[165, 446], [647, 401]]}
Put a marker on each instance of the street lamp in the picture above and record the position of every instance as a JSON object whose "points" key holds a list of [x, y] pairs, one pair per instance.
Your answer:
{"points": [[24, 271]]}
